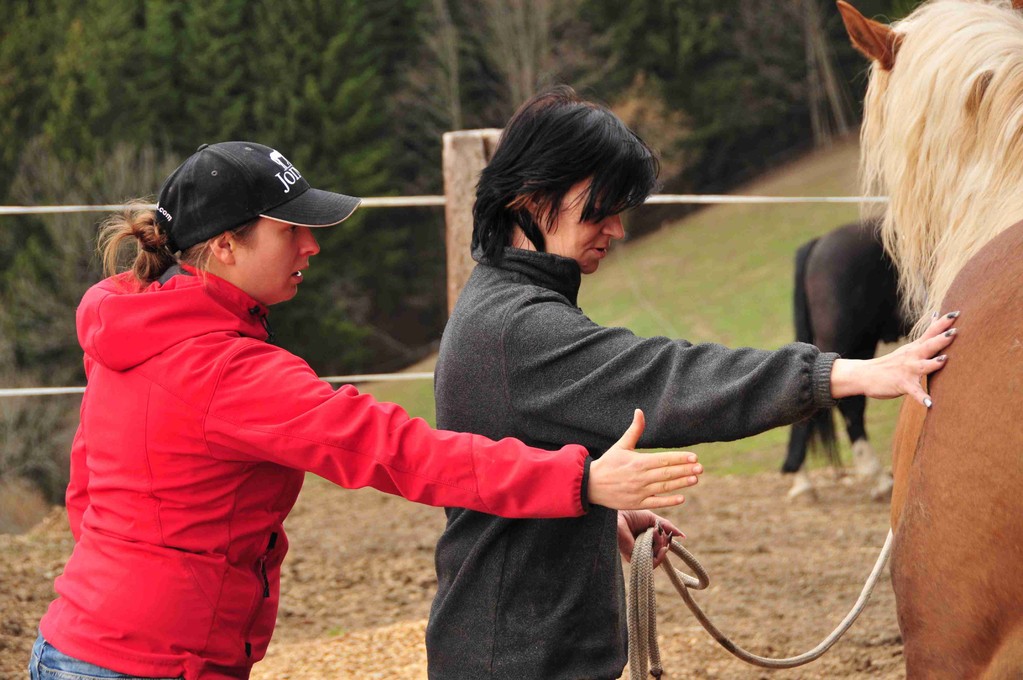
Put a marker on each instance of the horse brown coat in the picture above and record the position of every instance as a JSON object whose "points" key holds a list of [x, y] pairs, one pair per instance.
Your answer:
{"points": [[958, 483]]}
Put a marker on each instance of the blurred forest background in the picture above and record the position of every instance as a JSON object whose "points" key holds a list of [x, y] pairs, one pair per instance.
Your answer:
{"points": [[101, 99]]}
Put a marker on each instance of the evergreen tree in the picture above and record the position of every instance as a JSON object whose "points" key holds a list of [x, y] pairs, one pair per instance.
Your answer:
{"points": [[737, 70], [30, 36], [217, 75], [335, 111], [159, 78], [93, 85]]}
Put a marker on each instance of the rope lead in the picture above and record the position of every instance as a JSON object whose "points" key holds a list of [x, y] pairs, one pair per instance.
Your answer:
{"points": [[642, 611]]}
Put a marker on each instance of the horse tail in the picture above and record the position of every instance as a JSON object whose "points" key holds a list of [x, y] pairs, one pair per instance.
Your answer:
{"points": [[804, 328], [820, 435]]}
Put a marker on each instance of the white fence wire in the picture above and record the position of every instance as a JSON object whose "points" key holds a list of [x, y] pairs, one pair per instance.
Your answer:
{"points": [[335, 379], [409, 202], [440, 201], [372, 202]]}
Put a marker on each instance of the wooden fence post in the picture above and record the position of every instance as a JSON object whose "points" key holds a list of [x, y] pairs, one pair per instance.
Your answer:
{"points": [[466, 153]]}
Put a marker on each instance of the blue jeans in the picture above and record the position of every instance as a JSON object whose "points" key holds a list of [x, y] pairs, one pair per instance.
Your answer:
{"points": [[48, 663]]}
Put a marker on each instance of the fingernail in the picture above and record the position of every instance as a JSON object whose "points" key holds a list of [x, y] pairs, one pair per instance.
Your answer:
{"points": [[928, 402], [934, 315], [950, 332], [691, 458], [697, 469], [943, 357], [953, 315], [692, 480]]}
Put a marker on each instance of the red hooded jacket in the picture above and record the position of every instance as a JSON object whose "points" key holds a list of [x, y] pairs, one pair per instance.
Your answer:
{"points": [[194, 438]]}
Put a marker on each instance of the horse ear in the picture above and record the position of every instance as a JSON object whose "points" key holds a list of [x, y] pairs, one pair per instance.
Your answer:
{"points": [[875, 40]]}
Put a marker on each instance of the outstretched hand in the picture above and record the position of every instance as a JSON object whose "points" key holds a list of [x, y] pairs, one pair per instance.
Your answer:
{"points": [[625, 480], [900, 372], [632, 523]]}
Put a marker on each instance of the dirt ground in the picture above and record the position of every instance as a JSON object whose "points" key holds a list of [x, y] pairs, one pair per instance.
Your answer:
{"points": [[359, 579]]}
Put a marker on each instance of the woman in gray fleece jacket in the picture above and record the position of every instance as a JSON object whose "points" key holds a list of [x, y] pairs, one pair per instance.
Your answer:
{"points": [[544, 599]]}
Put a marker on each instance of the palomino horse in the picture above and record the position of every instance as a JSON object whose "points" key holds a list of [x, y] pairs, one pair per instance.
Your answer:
{"points": [[845, 300], [943, 137]]}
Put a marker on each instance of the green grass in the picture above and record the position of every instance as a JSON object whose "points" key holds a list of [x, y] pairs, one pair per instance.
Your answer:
{"points": [[722, 275]]}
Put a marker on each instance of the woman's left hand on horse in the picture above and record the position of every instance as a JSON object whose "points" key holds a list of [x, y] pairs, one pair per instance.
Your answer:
{"points": [[632, 523], [900, 372]]}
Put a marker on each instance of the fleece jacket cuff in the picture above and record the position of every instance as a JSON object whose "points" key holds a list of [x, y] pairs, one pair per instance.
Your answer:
{"points": [[822, 380], [584, 495]]}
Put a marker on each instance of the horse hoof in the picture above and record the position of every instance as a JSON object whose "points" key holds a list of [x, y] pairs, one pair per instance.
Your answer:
{"points": [[882, 490], [802, 490], [870, 469], [865, 460]]}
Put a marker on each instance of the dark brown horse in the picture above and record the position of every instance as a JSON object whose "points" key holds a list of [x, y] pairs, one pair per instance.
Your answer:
{"points": [[943, 136], [845, 300]]}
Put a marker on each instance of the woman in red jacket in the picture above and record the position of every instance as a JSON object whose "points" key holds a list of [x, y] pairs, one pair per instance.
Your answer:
{"points": [[196, 433]]}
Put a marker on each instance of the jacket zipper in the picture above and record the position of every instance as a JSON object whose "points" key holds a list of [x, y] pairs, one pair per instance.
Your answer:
{"points": [[261, 568]]}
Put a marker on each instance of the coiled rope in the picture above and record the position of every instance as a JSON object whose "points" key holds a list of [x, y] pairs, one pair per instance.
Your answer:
{"points": [[642, 610]]}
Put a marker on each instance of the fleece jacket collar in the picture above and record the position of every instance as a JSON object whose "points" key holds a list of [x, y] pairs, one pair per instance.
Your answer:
{"points": [[557, 273]]}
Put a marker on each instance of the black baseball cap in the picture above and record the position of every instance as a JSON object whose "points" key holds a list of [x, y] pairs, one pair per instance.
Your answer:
{"points": [[225, 185]]}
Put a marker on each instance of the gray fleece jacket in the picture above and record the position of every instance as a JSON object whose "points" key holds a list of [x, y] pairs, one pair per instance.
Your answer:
{"points": [[545, 599]]}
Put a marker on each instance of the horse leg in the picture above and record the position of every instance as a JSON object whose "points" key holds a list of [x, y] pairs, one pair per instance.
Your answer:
{"points": [[865, 461], [802, 487], [799, 435], [793, 465]]}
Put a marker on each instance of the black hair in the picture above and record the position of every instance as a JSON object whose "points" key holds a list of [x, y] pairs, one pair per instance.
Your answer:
{"points": [[554, 141]]}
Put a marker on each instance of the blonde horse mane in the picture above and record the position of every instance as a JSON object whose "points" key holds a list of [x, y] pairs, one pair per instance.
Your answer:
{"points": [[942, 136]]}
